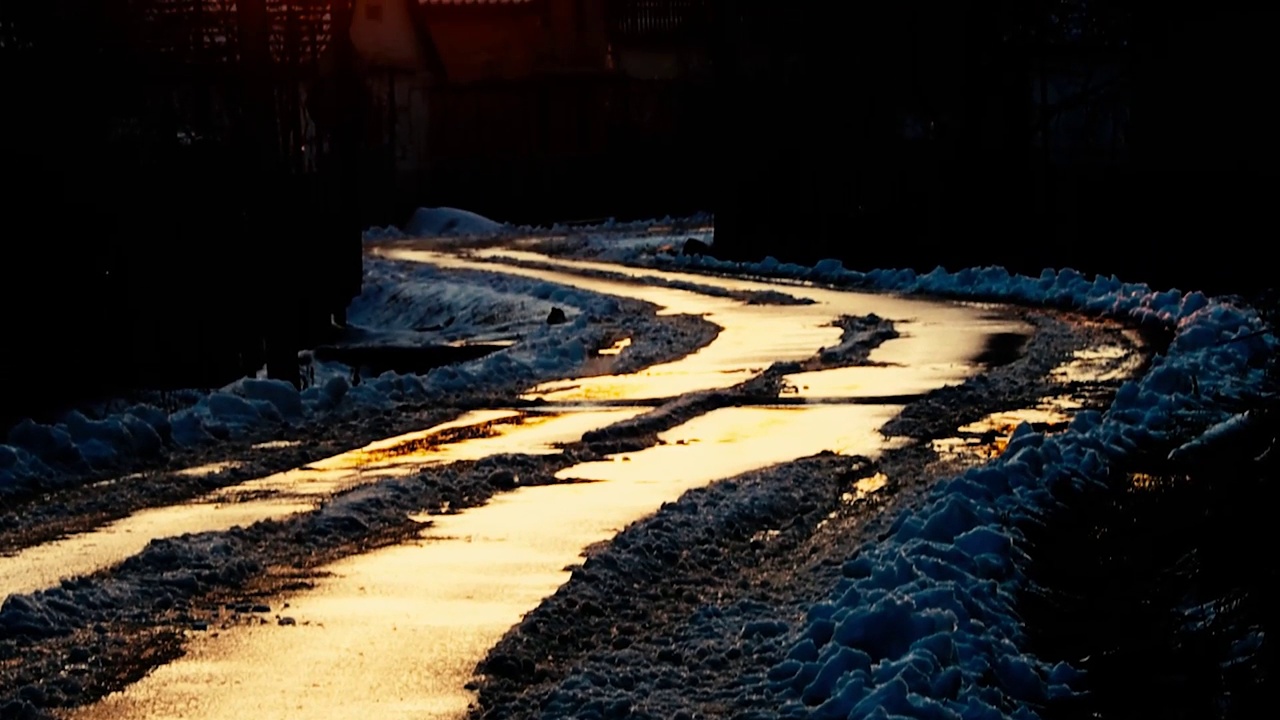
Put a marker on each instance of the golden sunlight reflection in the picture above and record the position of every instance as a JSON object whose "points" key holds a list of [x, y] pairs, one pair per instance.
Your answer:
{"points": [[1006, 422], [941, 338], [931, 332], [970, 447], [873, 381], [1142, 481], [752, 337], [730, 441], [471, 437], [988, 437], [397, 633], [1147, 482], [867, 485], [1099, 364], [46, 565]]}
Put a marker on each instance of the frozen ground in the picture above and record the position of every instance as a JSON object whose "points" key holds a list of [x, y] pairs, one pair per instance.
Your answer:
{"points": [[828, 587]]}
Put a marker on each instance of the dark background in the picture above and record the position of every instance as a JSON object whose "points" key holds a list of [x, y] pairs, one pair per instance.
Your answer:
{"points": [[1114, 137], [1178, 197]]}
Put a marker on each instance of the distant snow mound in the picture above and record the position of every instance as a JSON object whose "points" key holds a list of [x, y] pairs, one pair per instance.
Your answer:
{"points": [[450, 222]]}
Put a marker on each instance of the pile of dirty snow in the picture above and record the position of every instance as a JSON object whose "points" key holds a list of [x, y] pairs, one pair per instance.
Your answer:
{"points": [[400, 304], [450, 222]]}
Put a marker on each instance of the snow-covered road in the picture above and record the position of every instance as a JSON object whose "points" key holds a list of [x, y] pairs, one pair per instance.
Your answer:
{"points": [[736, 598]]}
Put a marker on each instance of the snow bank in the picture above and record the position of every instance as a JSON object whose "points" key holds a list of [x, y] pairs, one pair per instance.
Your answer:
{"points": [[1060, 288], [420, 303], [451, 222], [401, 303], [415, 303], [38, 457], [612, 225], [924, 623]]}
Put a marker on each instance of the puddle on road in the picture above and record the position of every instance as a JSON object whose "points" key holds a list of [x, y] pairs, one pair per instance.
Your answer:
{"points": [[988, 437], [471, 437], [938, 341], [947, 336], [734, 440], [931, 332], [48, 564], [1106, 363], [751, 339], [869, 382], [397, 633], [1088, 370], [1004, 423]]}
